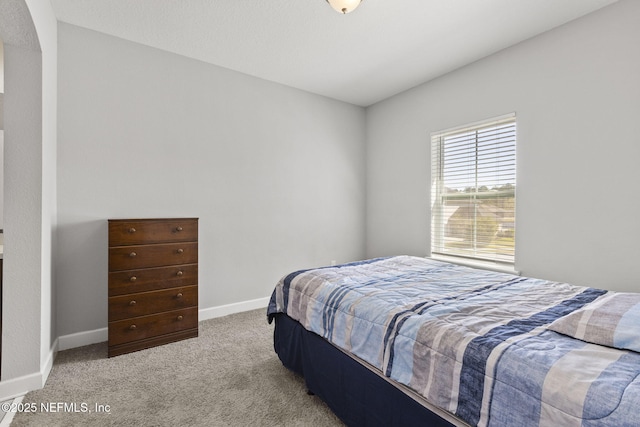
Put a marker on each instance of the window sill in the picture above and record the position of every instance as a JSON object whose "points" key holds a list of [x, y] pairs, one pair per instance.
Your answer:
{"points": [[501, 268]]}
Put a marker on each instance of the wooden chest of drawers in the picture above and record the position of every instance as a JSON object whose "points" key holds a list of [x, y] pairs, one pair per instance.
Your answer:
{"points": [[153, 282]]}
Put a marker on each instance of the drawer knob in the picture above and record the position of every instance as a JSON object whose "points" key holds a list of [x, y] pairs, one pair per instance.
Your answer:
{"points": [[133, 278], [132, 230], [132, 327], [179, 295], [132, 302], [133, 254], [179, 317], [180, 250], [179, 273], [178, 228]]}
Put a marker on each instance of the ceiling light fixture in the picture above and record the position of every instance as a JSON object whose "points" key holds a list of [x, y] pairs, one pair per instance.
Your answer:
{"points": [[344, 6]]}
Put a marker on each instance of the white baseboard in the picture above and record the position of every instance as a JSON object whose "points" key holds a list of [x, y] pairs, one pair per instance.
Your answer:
{"points": [[238, 307], [79, 339], [16, 387], [48, 364], [20, 386], [8, 416]]}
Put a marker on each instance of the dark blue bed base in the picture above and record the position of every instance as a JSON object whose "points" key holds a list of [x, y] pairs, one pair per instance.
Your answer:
{"points": [[356, 395]]}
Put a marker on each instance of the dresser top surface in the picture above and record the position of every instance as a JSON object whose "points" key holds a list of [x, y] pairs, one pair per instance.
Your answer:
{"points": [[150, 219]]}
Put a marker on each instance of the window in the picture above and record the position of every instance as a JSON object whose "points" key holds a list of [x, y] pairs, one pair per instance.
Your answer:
{"points": [[473, 191]]}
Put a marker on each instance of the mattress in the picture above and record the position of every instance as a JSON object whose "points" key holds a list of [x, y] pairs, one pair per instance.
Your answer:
{"points": [[488, 348]]}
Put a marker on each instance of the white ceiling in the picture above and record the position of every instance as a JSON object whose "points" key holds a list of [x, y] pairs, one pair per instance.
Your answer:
{"points": [[382, 48]]}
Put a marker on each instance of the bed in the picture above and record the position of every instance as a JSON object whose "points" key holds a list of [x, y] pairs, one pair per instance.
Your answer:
{"points": [[415, 341]]}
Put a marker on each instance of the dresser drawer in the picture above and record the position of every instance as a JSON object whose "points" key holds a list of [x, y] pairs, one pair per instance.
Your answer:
{"points": [[143, 327], [138, 232], [134, 257], [149, 279], [145, 303]]}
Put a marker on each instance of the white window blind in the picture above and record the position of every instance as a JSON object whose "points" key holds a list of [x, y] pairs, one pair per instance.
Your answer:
{"points": [[473, 191]]}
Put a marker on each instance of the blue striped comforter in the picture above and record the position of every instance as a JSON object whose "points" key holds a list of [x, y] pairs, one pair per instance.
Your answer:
{"points": [[472, 342]]}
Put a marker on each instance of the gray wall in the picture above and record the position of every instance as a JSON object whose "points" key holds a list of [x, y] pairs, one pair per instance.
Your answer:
{"points": [[276, 175], [28, 29], [282, 179], [576, 92]]}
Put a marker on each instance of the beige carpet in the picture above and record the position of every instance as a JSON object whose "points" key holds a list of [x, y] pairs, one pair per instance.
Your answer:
{"points": [[228, 376]]}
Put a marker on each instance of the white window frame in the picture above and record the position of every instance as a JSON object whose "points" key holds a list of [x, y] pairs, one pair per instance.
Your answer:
{"points": [[438, 250]]}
